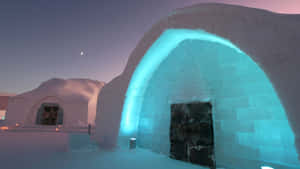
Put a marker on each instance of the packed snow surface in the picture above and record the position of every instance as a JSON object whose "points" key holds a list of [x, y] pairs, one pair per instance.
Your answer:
{"points": [[92, 158]]}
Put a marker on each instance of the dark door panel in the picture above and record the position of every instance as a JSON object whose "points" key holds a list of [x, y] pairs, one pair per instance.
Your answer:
{"points": [[191, 133]]}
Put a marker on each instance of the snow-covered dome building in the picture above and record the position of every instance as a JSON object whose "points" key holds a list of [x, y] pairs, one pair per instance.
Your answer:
{"points": [[212, 84], [69, 103]]}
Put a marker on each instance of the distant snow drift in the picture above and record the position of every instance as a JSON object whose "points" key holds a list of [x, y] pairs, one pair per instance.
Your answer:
{"points": [[77, 98], [243, 60]]}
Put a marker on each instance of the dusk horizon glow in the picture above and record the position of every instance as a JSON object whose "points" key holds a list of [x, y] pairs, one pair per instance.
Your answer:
{"points": [[66, 39]]}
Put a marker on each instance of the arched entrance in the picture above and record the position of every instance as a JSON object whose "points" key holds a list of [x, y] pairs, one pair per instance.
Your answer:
{"points": [[50, 114], [51, 104], [192, 65]]}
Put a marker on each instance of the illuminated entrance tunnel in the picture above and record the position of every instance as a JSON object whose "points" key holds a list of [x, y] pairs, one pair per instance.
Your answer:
{"points": [[186, 67]]}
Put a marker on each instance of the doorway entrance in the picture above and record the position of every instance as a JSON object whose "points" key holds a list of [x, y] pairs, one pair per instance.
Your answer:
{"points": [[191, 133], [50, 114]]}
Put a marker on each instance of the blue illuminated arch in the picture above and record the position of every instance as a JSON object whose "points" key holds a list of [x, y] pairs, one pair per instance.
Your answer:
{"points": [[149, 63], [272, 138], [271, 135]]}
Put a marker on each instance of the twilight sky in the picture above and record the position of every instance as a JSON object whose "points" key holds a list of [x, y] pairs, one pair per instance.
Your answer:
{"points": [[42, 39]]}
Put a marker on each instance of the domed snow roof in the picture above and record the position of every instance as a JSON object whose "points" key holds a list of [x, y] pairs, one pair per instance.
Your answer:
{"points": [[70, 89], [78, 97]]}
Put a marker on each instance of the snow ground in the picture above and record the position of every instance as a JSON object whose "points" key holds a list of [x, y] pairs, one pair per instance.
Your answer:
{"points": [[92, 158]]}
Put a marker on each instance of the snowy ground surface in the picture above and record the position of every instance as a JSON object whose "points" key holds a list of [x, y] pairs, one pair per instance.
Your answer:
{"points": [[42, 149], [91, 158]]}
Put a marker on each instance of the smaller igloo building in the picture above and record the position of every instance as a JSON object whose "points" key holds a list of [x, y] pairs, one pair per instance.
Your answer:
{"points": [[69, 103], [211, 84]]}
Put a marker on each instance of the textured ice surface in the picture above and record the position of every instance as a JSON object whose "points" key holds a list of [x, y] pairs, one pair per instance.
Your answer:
{"points": [[270, 40]]}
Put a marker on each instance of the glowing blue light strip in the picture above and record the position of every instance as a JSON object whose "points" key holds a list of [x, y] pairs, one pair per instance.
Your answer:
{"points": [[150, 62], [266, 167]]}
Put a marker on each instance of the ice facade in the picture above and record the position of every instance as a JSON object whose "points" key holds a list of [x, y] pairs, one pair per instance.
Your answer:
{"points": [[250, 123]]}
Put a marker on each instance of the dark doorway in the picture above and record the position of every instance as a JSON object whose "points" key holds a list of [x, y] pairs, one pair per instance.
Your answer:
{"points": [[50, 114], [191, 133]]}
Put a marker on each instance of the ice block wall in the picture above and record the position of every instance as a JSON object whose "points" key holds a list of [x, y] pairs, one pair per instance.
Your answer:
{"points": [[250, 124]]}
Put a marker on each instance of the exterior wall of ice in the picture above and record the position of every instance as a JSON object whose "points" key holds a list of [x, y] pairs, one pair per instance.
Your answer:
{"points": [[177, 80], [270, 39], [249, 120]]}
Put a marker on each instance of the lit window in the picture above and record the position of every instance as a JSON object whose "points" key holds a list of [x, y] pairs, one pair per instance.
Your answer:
{"points": [[2, 114]]}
